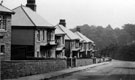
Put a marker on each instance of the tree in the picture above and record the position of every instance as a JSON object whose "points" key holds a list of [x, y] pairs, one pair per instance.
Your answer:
{"points": [[130, 28]]}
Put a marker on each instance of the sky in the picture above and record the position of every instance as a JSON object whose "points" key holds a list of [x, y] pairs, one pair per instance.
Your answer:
{"points": [[79, 12]]}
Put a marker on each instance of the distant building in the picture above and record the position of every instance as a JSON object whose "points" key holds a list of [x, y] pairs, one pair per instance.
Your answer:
{"points": [[60, 43], [32, 36], [5, 32], [87, 45], [71, 40]]}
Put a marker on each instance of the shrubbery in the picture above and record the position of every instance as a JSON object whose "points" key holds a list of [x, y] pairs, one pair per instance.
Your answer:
{"points": [[126, 52]]}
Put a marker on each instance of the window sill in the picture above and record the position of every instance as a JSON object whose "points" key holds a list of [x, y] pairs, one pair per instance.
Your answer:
{"points": [[1, 54], [2, 33], [2, 30]]}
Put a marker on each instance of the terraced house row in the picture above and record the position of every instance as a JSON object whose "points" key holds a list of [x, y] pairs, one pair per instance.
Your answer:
{"points": [[27, 35]]}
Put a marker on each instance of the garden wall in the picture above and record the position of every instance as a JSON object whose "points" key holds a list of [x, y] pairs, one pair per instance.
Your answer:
{"points": [[83, 62], [20, 68]]}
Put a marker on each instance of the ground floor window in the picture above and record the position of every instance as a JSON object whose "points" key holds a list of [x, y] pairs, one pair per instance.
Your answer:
{"points": [[2, 49]]}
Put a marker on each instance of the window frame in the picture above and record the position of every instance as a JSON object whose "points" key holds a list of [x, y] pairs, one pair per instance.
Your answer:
{"points": [[3, 22]]}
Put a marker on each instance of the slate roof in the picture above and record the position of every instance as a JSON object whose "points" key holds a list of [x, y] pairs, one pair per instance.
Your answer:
{"points": [[83, 37], [5, 9], [69, 34], [58, 30], [27, 17]]}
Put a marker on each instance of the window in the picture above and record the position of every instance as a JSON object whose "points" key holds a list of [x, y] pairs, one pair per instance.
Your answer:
{"points": [[38, 35], [77, 44], [52, 35], [2, 22], [43, 35], [48, 35], [63, 40], [2, 49]]}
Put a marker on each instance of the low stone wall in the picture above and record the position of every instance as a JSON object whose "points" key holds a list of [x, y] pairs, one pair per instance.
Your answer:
{"points": [[83, 62], [20, 68]]}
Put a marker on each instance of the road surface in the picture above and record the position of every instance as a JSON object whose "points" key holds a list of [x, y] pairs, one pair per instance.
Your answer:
{"points": [[115, 70]]}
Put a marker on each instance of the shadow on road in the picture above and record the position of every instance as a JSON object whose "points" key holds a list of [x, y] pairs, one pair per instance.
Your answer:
{"points": [[126, 68], [109, 77]]}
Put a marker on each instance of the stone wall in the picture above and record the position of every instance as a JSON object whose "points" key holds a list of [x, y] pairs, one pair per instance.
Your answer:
{"points": [[83, 62], [6, 40], [14, 69]]}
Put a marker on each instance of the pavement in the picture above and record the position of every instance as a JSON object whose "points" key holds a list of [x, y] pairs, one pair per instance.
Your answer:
{"points": [[51, 75]]}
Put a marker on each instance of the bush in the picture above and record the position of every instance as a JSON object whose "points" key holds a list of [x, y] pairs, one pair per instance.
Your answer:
{"points": [[126, 53]]}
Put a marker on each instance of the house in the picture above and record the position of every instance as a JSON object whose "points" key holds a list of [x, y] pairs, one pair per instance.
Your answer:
{"points": [[81, 46], [87, 46], [60, 43], [71, 40], [5, 32], [32, 35]]}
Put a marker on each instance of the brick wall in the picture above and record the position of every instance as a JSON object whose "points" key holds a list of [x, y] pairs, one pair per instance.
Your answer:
{"points": [[14, 69], [83, 62]]}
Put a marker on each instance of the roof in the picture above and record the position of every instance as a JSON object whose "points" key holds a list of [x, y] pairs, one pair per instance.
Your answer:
{"points": [[27, 17], [84, 37], [69, 34], [5, 9], [59, 31], [81, 39]]}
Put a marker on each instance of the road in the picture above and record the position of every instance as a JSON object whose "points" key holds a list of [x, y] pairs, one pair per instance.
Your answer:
{"points": [[115, 70]]}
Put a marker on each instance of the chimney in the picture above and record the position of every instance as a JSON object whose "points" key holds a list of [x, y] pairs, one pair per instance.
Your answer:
{"points": [[31, 4], [78, 29], [62, 22]]}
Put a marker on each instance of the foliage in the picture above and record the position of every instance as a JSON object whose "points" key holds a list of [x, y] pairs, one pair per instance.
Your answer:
{"points": [[111, 42], [103, 37], [130, 28], [126, 52]]}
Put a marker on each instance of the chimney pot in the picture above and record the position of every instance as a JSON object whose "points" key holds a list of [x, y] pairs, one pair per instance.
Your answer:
{"points": [[31, 4], [62, 22], [78, 29]]}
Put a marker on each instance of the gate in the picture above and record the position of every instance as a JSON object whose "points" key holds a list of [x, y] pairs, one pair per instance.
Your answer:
{"points": [[71, 62]]}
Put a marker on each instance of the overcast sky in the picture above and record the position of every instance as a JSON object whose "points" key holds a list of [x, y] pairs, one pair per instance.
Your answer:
{"points": [[79, 12]]}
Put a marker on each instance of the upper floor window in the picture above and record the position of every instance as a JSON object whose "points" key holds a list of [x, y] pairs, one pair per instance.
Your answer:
{"points": [[63, 40], [38, 35], [77, 44], [48, 35], [73, 44], [43, 35], [2, 22], [57, 40], [52, 35]]}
